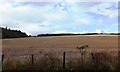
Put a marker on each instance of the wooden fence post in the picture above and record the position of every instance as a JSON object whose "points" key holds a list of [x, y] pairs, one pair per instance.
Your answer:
{"points": [[2, 59], [32, 60], [118, 60], [94, 61], [63, 60], [32, 64], [82, 60]]}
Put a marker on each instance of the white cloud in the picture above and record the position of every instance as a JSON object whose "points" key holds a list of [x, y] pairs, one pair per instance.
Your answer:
{"points": [[96, 31], [105, 9], [25, 18], [111, 31], [64, 31], [28, 19], [72, 1], [84, 32], [32, 28], [47, 19], [99, 31], [82, 21], [115, 24], [54, 16], [105, 31], [20, 13], [60, 31], [100, 20]]}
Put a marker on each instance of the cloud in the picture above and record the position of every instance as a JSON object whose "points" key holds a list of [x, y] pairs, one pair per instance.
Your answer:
{"points": [[60, 31], [115, 24], [36, 28], [105, 9], [84, 32], [99, 31], [35, 19], [64, 31], [54, 16], [100, 20], [82, 21], [72, 1]]}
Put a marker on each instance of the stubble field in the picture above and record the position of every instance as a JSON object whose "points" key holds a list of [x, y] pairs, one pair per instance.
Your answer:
{"points": [[60, 43], [52, 48]]}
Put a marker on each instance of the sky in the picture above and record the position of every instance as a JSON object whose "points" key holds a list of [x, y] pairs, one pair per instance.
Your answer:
{"points": [[60, 16]]}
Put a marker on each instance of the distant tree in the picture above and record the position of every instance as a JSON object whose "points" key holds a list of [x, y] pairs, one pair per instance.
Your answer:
{"points": [[29, 35], [6, 28], [8, 33]]}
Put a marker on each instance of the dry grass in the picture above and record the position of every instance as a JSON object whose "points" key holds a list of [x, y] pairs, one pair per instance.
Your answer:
{"points": [[48, 51], [51, 61]]}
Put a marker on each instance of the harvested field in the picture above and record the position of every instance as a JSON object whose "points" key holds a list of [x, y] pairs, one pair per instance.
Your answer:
{"points": [[50, 50], [58, 43]]}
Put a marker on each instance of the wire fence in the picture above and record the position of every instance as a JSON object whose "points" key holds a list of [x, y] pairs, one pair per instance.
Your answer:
{"points": [[65, 60]]}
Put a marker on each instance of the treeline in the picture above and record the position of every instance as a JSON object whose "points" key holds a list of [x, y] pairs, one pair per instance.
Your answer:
{"points": [[114, 33], [8, 33], [42, 35], [66, 34], [55, 34]]}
